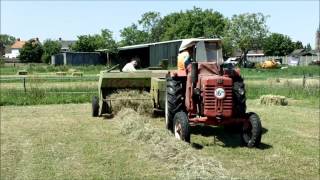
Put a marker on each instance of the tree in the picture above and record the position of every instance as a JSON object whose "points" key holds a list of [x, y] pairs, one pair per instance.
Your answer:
{"points": [[132, 35], [192, 23], [85, 43], [308, 47], [31, 51], [50, 48], [6, 39], [227, 47], [2, 50], [184, 24], [90, 43], [149, 33], [106, 41], [150, 23], [278, 45], [298, 45], [149, 20], [247, 32]]}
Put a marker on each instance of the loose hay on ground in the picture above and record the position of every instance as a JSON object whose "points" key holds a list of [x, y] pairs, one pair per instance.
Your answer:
{"points": [[139, 101], [177, 154]]}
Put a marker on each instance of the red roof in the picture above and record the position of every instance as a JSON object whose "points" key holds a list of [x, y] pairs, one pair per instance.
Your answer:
{"points": [[18, 44]]}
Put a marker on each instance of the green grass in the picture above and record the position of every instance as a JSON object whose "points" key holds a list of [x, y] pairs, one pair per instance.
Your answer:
{"points": [[35, 68], [254, 91], [51, 79], [65, 142], [289, 150], [12, 94], [290, 72], [50, 96], [60, 93]]}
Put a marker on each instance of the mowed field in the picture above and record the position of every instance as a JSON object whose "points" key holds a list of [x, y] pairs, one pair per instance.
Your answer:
{"points": [[65, 142], [47, 132]]}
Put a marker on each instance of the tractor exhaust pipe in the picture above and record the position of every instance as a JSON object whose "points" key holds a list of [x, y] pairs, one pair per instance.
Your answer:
{"points": [[195, 90], [194, 74]]}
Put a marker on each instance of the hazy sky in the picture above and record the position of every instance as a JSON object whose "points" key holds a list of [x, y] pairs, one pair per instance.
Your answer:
{"points": [[68, 19]]}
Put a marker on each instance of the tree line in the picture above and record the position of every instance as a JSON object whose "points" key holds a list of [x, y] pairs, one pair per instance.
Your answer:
{"points": [[242, 32]]}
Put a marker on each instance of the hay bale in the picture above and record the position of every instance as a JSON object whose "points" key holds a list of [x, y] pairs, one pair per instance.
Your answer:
{"points": [[273, 100], [22, 72], [164, 147], [139, 101], [72, 70], [79, 74], [60, 73]]}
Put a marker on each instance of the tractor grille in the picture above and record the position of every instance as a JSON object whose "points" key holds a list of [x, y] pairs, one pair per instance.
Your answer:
{"points": [[214, 106]]}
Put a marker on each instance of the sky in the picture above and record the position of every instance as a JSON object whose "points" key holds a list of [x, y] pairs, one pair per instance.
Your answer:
{"points": [[68, 19]]}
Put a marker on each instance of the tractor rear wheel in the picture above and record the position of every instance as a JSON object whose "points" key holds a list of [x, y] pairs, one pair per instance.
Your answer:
{"points": [[181, 126], [252, 131], [95, 106], [174, 101]]}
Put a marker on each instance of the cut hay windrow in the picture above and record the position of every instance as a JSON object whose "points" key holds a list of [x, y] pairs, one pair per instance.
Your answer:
{"points": [[139, 101], [164, 147]]}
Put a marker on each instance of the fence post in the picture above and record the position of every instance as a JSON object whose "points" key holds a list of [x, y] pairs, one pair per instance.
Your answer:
{"points": [[24, 84], [304, 81]]}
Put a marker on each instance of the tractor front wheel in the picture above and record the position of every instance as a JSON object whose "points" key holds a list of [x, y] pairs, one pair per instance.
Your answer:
{"points": [[252, 131], [95, 106], [181, 126]]}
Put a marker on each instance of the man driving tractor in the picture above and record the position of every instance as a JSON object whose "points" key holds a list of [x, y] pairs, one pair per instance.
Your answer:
{"points": [[184, 58], [185, 54]]}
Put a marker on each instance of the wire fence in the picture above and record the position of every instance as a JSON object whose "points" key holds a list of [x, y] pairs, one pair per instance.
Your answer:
{"points": [[49, 78], [25, 80]]}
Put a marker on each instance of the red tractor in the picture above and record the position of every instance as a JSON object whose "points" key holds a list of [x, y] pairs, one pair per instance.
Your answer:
{"points": [[209, 92]]}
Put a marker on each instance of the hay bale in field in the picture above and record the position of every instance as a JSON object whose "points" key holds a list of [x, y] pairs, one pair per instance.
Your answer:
{"points": [[164, 147], [60, 73], [139, 101], [22, 72], [72, 70], [79, 74], [273, 100]]}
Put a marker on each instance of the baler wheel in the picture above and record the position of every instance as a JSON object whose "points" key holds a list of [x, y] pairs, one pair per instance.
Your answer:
{"points": [[95, 106], [252, 131], [181, 126]]}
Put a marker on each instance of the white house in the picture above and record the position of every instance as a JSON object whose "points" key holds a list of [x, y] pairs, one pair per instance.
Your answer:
{"points": [[15, 49]]}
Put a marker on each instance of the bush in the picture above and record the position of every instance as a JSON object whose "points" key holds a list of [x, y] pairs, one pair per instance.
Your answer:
{"points": [[31, 52]]}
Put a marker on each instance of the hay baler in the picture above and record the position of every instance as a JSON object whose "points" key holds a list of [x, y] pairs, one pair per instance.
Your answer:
{"points": [[152, 81], [207, 92]]}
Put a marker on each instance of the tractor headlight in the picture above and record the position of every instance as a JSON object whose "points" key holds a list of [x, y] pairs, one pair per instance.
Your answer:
{"points": [[219, 93]]}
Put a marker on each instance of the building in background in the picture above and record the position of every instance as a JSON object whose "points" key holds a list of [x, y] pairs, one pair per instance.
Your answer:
{"points": [[15, 49], [150, 54], [66, 44], [78, 58], [255, 53]]}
